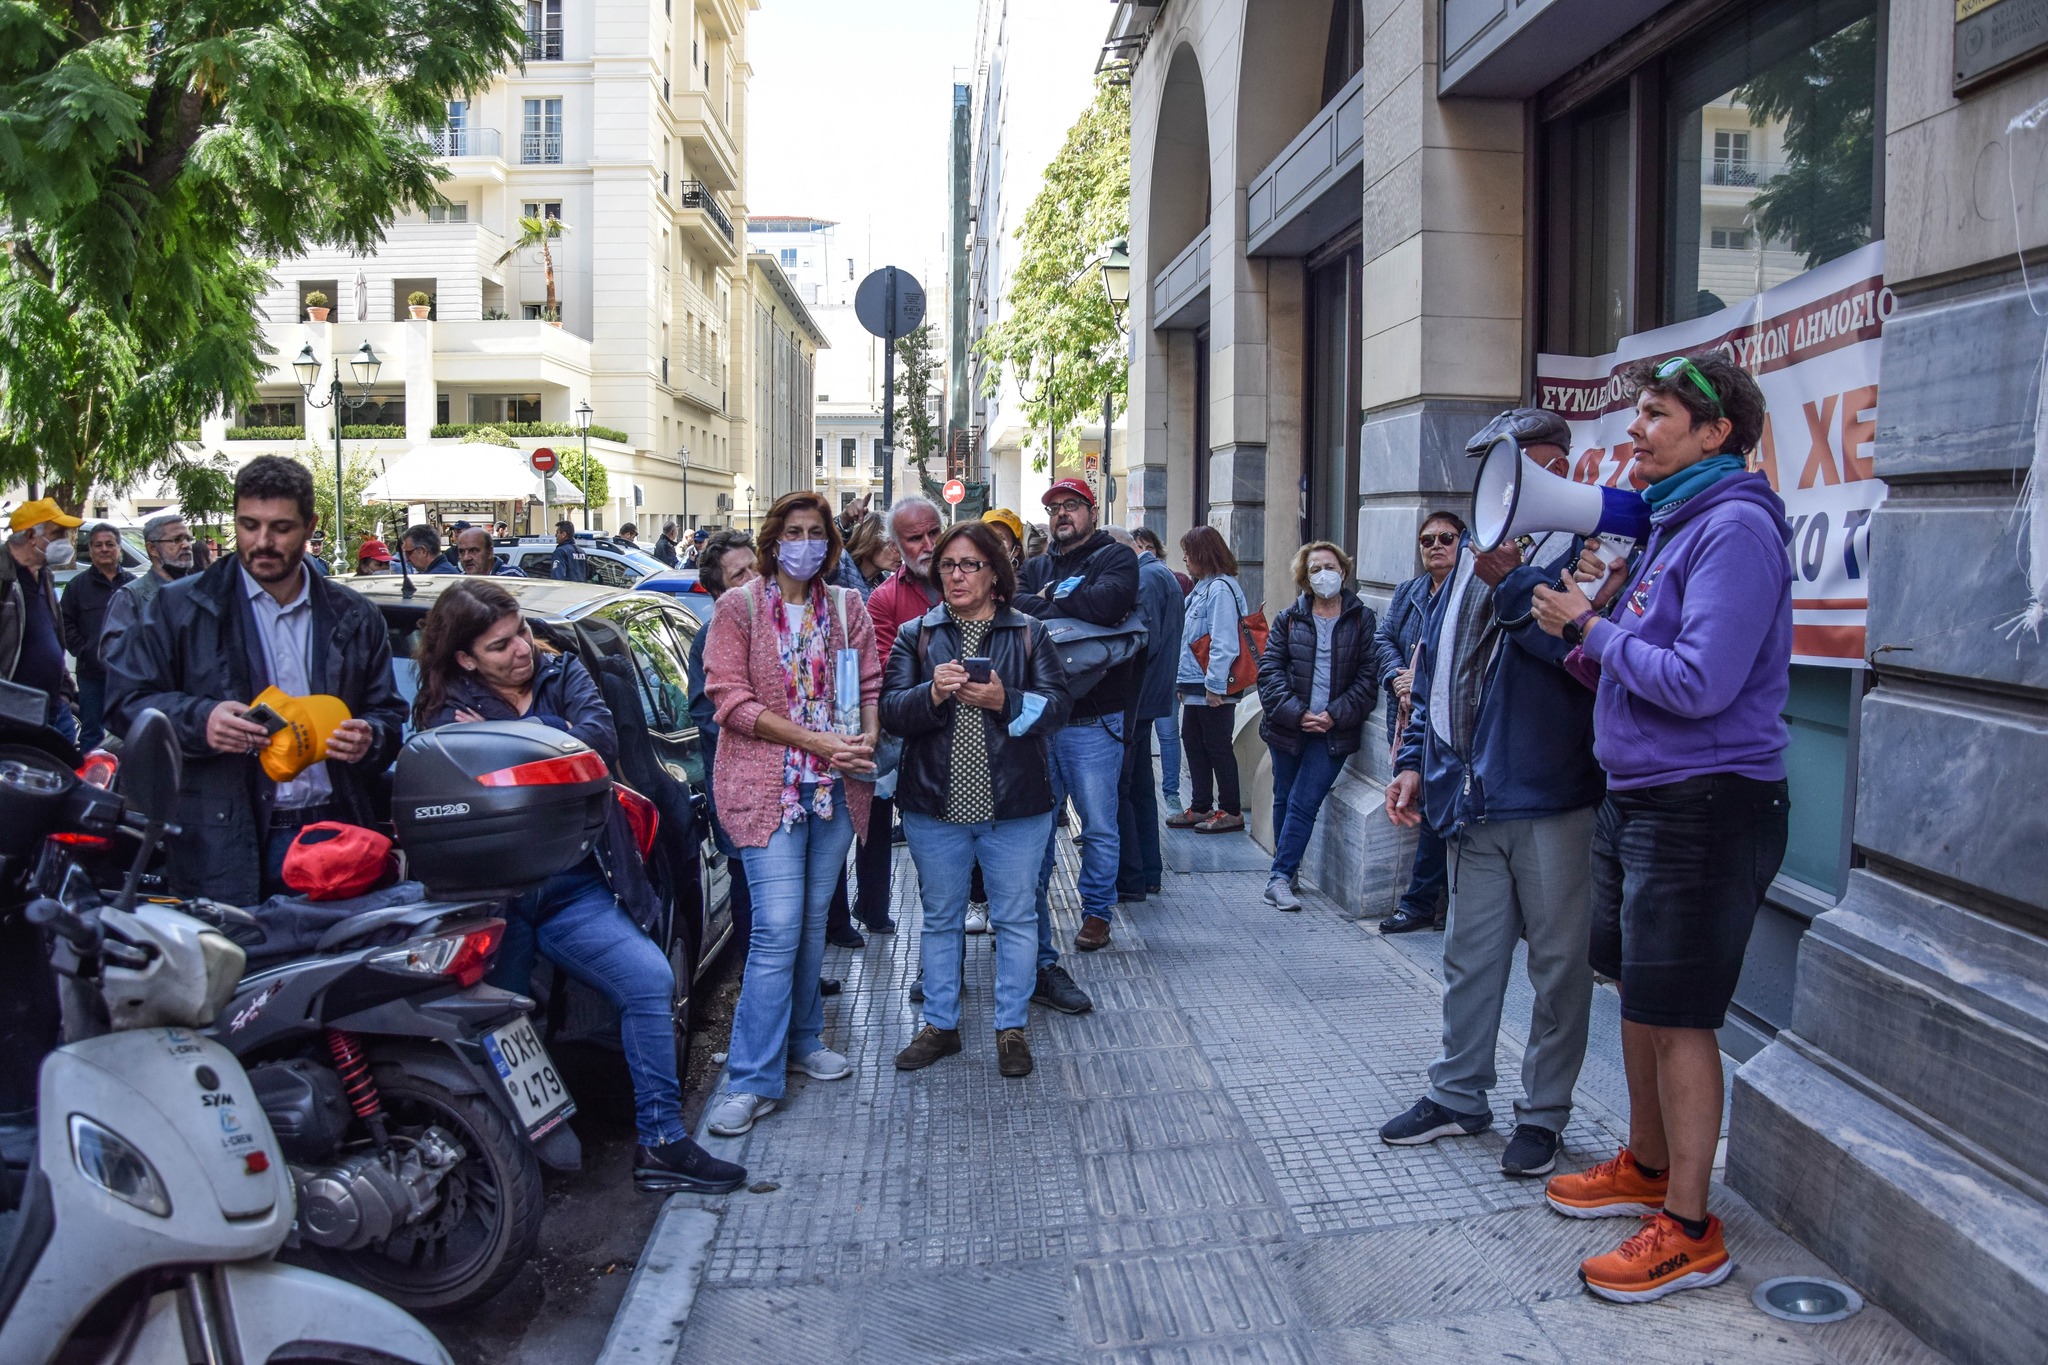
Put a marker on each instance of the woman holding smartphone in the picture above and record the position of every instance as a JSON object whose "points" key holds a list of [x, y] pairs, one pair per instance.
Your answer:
{"points": [[974, 687], [792, 671]]}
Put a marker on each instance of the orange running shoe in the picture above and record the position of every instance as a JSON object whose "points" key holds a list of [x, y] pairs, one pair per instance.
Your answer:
{"points": [[1616, 1188], [1658, 1260]]}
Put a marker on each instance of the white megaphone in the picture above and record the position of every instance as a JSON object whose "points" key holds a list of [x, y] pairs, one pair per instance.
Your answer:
{"points": [[1514, 496]]}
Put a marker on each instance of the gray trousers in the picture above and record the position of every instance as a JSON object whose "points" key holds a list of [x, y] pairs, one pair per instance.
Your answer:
{"points": [[1518, 879]]}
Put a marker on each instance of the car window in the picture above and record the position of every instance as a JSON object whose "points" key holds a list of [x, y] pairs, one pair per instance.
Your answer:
{"points": [[537, 565], [664, 683], [612, 572]]}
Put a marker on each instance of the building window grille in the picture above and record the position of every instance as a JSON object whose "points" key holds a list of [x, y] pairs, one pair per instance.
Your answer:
{"points": [[540, 142]]}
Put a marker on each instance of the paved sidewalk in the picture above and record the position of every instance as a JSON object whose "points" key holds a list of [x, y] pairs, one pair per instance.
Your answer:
{"points": [[1192, 1174]]}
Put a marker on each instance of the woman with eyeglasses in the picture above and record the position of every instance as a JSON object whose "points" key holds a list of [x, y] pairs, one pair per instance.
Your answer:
{"points": [[1316, 686], [1400, 632], [1214, 607], [1693, 662], [792, 671], [974, 688]]}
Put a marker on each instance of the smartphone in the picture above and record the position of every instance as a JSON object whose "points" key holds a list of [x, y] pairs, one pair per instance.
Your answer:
{"points": [[979, 669], [267, 718]]}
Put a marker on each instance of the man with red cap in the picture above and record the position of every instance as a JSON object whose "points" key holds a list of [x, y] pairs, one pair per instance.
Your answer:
{"points": [[1086, 574]]}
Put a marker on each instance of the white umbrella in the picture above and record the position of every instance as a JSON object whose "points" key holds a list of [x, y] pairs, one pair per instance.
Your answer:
{"points": [[465, 473], [362, 297]]}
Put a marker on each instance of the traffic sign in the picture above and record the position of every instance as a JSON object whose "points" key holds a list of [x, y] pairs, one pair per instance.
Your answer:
{"points": [[889, 302], [543, 461], [955, 491]]}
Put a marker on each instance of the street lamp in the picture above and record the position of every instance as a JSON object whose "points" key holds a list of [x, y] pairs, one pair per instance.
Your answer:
{"points": [[364, 365], [583, 425], [1116, 277], [683, 455]]}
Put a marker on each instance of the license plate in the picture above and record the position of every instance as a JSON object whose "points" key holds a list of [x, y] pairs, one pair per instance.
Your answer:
{"points": [[529, 1075]]}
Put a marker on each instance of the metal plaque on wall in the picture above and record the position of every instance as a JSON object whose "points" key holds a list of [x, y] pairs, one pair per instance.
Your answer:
{"points": [[1993, 36]]}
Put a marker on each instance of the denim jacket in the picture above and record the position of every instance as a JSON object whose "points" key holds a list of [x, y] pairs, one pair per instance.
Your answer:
{"points": [[1214, 608]]}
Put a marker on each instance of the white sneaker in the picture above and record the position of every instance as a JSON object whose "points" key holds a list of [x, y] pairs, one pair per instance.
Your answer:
{"points": [[977, 918], [1280, 895], [822, 1065], [735, 1114]]}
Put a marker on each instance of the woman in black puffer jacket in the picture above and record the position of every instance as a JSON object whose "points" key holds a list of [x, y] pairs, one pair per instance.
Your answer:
{"points": [[1317, 682]]}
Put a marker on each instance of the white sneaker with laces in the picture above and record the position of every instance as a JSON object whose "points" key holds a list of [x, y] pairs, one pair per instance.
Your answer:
{"points": [[822, 1065], [735, 1114], [977, 917], [1280, 895]]}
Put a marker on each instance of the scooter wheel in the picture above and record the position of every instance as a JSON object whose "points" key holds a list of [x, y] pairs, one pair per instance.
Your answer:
{"points": [[487, 1221]]}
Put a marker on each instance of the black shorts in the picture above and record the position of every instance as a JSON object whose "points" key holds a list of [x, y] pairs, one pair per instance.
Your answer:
{"points": [[1678, 873]]}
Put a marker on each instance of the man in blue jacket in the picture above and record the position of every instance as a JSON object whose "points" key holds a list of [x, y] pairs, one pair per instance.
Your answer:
{"points": [[1498, 760]]}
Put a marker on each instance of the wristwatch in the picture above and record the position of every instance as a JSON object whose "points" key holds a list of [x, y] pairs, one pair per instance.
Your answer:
{"points": [[1574, 631]]}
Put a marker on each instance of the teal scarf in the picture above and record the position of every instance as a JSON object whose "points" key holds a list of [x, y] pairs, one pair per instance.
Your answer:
{"points": [[1694, 478]]}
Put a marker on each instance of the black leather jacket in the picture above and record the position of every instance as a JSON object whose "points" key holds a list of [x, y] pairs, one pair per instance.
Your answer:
{"points": [[1024, 658]]}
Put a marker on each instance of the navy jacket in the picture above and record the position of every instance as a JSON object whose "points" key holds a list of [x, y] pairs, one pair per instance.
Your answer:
{"points": [[570, 562], [1533, 741], [1400, 630], [1160, 598], [1287, 675], [1106, 594]]}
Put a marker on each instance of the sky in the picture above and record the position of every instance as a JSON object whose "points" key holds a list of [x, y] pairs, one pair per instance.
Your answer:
{"points": [[851, 108]]}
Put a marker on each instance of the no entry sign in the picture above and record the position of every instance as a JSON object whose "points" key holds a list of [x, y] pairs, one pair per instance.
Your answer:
{"points": [[543, 461], [955, 491]]}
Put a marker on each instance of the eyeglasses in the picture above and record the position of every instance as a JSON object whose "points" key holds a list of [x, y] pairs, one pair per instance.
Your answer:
{"points": [[1068, 505], [1681, 365], [1432, 538], [970, 567]]}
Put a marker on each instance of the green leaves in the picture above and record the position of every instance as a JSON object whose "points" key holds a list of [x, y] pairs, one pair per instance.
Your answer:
{"points": [[1059, 338], [152, 152], [917, 382]]}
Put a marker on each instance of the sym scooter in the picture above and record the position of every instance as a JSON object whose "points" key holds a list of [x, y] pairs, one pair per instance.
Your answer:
{"points": [[157, 1194]]}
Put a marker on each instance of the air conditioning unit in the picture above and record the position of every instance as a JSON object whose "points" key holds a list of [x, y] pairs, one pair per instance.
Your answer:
{"points": [[725, 502]]}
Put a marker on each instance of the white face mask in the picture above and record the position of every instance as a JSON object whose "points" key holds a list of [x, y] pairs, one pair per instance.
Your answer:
{"points": [[1325, 582], [59, 554]]}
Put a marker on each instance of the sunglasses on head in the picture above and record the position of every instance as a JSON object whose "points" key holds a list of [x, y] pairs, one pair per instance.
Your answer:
{"points": [[1681, 365]]}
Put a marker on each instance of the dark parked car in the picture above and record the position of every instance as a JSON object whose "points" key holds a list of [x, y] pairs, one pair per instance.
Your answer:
{"points": [[636, 645]]}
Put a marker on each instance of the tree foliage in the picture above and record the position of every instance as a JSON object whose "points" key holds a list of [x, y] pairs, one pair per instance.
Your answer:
{"points": [[918, 382], [593, 479], [1059, 337], [1827, 96], [543, 232], [365, 519], [204, 488], [154, 155]]}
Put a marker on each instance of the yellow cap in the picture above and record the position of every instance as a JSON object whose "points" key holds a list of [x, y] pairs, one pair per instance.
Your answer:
{"points": [[303, 741], [37, 512], [1003, 516]]}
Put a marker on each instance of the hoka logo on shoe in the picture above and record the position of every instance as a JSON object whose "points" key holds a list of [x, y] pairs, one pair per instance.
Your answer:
{"points": [[1665, 1268]]}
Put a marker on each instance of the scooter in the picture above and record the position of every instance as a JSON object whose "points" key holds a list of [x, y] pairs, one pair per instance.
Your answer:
{"points": [[158, 1194]]}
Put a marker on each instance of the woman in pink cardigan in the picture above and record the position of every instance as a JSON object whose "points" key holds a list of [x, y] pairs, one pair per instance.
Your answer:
{"points": [[790, 665]]}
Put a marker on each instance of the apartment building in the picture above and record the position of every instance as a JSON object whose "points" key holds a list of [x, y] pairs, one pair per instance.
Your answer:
{"points": [[626, 126]]}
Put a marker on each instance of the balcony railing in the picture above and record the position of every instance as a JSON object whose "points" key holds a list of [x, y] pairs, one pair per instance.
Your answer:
{"points": [[693, 195], [461, 140], [543, 45], [540, 149], [1743, 174]]}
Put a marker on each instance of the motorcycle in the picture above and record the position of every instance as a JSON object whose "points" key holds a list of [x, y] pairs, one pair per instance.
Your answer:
{"points": [[155, 1196]]}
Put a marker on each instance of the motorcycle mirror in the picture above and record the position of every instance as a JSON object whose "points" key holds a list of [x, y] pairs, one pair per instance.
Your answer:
{"points": [[152, 767]]}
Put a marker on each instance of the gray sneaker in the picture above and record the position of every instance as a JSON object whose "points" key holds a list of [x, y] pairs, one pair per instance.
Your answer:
{"points": [[735, 1114], [977, 917], [1280, 895], [822, 1065]]}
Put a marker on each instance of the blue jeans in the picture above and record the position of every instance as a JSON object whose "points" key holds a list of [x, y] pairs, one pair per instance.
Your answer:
{"points": [[1167, 731], [1087, 762], [1429, 879], [1141, 865], [1300, 782], [63, 719], [1007, 851], [92, 710], [575, 921], [781, 1014]]}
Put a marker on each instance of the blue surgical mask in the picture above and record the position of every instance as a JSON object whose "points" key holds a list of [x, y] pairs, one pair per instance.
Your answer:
{"points": [[801, 559]]}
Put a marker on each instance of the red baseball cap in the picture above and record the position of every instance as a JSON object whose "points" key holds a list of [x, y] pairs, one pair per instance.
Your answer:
{"points": [[330, 861], [375, 549], [1073, 486]]}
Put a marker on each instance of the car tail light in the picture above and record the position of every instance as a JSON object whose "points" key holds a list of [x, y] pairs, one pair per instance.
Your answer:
{"points": [[461, 953], [100, 769], [641, 814], [73, 839], [549, 772]]}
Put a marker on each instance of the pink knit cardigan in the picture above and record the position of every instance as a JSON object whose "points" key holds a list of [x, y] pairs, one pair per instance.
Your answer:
{"points": [[743, 676]]}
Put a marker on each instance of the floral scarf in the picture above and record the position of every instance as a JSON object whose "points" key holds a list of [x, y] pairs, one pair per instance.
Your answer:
{"points": [[806, 656]]}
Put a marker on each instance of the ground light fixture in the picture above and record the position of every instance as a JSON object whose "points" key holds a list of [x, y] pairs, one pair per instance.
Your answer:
{"points": [[1803, 1298]]}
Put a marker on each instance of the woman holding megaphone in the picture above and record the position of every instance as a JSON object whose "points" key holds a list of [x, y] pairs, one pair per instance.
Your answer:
{"points": [[1693, 662]]}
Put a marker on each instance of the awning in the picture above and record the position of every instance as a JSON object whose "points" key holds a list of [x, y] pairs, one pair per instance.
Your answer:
{"points": [[465, 473]]}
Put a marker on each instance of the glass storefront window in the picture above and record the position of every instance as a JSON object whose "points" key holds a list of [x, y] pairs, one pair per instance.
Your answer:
{"points": [[1330, 484], [1587, 169], [1820, 713], [1769, 163]]}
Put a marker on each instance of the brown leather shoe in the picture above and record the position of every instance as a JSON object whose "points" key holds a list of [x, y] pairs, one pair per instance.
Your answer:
{"points": [[927, 1047], [1013, 1052], [1094, 933], [1187, 819], [1220, 823]]}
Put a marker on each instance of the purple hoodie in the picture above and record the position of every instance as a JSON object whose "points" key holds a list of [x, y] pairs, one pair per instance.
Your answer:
{"points": [[1695, 660]]}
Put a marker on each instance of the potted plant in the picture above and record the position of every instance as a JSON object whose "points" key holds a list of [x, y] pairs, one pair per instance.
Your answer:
{"points": [[421, 304], [316, 306]]}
